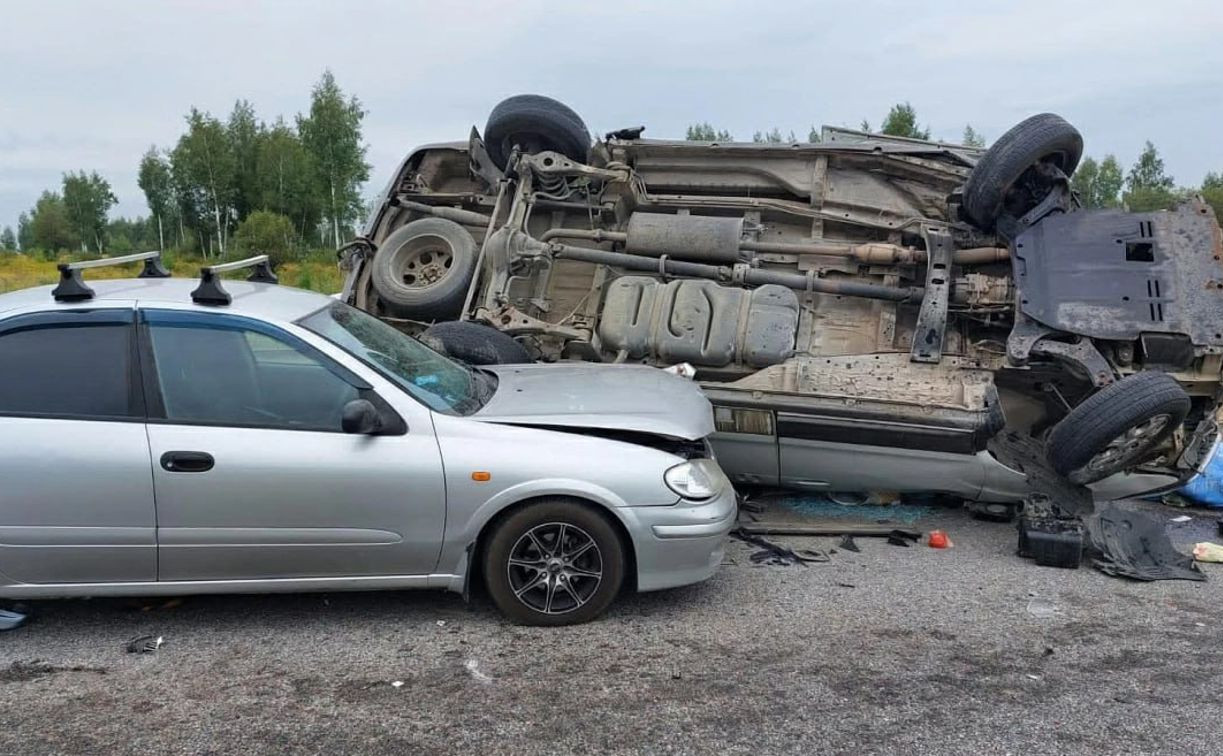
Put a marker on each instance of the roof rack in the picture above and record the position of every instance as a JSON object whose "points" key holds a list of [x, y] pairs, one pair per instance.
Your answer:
{"points": [[72, 287], [210, 292]]}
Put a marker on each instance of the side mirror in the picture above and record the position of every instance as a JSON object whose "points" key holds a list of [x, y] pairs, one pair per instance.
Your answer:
{"points": [[361, 416]]}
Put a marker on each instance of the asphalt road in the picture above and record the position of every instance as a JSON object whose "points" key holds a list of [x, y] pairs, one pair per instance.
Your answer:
{"points": [[890, 650]]}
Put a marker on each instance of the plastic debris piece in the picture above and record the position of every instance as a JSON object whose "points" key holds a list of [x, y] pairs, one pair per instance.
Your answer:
{"points": [[441, 623], [1208, 552], [847, 543], [1042, 608], [473, 668], [144, 644], [1182, 518], [11, 620], [939, 540], [397, 684], [683, 370], [1134, 544]]}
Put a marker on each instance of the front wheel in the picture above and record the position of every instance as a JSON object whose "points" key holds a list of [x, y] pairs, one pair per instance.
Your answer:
{"points": [[1118, 427], [554, 562]]}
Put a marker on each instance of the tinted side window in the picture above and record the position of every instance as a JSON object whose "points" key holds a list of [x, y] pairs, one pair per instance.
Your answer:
{"points": [[225, 370], [74, 364]]}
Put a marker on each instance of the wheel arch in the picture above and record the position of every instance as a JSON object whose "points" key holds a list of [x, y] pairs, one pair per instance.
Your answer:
{"points": [[475, 576]]}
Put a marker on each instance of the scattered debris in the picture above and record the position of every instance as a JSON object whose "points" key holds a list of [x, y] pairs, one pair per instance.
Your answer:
{"points": [[144, 644], [1042, 608], [441, 623], [903, 538], [473, 668], [11, 619], [1181, 518], [939, 540], [775, 554], [847, 543], [1048, 535], [683, 370], [397, 684], [829, 529], [1208, 552], [1134, 544]]}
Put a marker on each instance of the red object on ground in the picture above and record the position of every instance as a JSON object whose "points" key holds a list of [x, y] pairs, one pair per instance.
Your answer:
{"points": [[939, 540]]}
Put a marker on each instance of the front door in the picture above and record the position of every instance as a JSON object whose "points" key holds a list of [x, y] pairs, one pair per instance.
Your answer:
{"points": [[254, 478]]}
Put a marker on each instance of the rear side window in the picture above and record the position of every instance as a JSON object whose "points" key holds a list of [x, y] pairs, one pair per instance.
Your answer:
{"points": [[68, 364]]}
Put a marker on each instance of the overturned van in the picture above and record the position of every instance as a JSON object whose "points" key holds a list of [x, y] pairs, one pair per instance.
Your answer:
{"points": [[865, 313]]}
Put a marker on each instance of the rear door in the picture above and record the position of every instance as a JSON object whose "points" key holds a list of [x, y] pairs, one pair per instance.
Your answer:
{"points": [[76, 494], [255, 478]]}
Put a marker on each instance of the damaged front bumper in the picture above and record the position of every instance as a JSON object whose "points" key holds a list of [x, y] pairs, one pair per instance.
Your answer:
{"points": [[682, 543]]}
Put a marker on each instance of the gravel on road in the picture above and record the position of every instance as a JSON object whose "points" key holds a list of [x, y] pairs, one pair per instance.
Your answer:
{"points": [[891, 650]]}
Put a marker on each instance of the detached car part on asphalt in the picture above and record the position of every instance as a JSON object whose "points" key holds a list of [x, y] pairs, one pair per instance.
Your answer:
{"points": [[159, 437], [865, 313]]}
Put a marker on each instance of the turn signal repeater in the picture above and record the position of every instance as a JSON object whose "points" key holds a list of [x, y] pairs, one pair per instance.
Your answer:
{"points": [[481, 476]]}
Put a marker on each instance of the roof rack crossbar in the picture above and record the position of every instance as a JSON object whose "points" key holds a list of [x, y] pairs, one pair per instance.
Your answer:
{"points": [[210, 291], [72, 287]]}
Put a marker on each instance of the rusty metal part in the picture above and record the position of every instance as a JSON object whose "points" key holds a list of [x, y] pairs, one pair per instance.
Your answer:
{"points": [[739, 274], [932, 318], [982, 290], [594, 235], [687, 237], [466, 217]]}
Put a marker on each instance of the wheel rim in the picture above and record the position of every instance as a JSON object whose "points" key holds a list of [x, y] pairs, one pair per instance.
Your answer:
{"points": [[555, 568], [1128, 446], [423, 262]]}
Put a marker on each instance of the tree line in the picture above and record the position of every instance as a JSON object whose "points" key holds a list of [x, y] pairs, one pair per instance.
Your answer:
{"points": [[1099, 184], [241, 182]]}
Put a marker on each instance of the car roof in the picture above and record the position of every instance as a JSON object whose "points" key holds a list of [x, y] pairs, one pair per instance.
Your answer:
{"points": [[263, 301]]}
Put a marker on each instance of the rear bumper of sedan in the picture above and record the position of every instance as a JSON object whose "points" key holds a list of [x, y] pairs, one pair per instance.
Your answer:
{"points": [[681, 544]]}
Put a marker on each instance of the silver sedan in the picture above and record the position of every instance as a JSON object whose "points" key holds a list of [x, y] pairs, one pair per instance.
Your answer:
{"points": [[154, 441]]}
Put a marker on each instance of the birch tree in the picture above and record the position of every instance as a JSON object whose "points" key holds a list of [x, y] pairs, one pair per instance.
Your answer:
{"points": [[204, 168], [331, 134], [154, 180]]}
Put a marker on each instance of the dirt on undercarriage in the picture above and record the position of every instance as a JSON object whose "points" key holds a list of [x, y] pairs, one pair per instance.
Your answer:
{"points": [[874, 291]]}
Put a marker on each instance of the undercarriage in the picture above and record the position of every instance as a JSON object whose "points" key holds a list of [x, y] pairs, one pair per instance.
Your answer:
{"points": [[864, 292]]}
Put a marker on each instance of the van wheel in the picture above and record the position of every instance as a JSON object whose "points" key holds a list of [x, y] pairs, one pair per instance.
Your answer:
{"points": [[554, 562], [535, 123], [1118, 427], [994, 184], [422, 270]]}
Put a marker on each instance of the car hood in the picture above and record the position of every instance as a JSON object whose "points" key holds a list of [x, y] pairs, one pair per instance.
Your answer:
{"points": [[612, 397]]}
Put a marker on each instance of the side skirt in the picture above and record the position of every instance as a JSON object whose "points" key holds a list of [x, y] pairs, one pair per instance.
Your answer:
{"points": [[190, 587]]}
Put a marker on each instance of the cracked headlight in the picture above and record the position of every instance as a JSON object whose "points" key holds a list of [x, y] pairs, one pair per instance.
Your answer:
{"points": [[696, 480]]}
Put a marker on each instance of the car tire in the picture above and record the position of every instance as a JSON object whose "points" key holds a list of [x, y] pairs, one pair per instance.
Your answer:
{"points": [[1043, 137], [1117, 427], [535, 123], [532, 585], [422, 270], [475, 343]]}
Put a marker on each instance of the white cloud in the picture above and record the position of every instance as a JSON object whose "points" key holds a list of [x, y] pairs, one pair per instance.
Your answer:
{"points": [[90, 85]]}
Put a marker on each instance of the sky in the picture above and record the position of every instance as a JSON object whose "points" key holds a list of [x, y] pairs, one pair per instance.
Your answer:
{"points": [[92, 85]]}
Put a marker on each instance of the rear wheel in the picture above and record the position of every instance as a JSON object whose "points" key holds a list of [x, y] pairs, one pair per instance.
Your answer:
{"points": [[554, 562], [1118, 427], [534, 123]]}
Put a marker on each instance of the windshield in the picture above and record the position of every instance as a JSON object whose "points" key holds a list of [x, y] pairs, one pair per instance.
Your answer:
{"points": [[439, 382]]}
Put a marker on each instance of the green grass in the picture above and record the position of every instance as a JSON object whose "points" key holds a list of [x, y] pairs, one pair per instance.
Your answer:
{"points": [[317, 272]]}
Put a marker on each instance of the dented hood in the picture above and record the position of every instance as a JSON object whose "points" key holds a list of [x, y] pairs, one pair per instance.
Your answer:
{"points": [[612, 397]]}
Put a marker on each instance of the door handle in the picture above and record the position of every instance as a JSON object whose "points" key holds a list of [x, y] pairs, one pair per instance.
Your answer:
{"points": [[187, 461]]}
